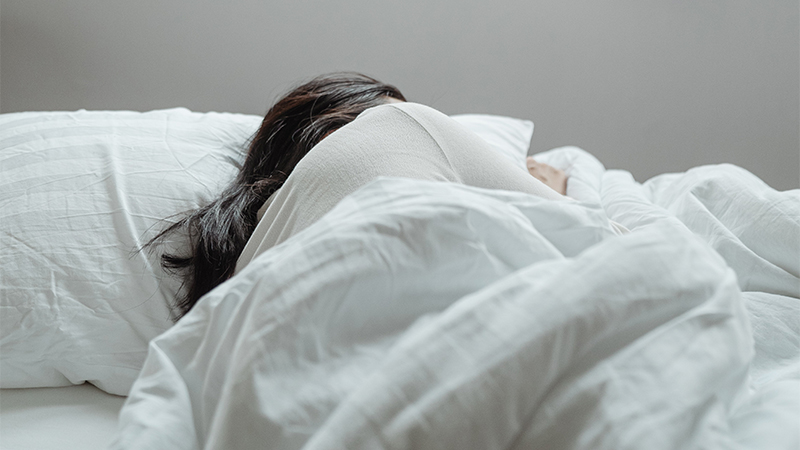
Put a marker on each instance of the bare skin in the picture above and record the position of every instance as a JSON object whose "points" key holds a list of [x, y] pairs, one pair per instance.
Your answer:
{"points": [[548, 175]]}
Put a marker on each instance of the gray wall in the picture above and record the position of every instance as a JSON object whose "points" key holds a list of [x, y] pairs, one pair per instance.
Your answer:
{"points": [[649, 86]]}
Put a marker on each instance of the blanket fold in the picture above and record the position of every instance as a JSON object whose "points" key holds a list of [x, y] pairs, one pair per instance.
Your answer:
{"points": [[421, 314]]}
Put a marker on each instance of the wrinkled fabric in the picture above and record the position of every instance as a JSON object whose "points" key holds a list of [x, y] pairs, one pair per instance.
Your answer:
{"points": [[80, 194], [422, 314], [404, 140]]}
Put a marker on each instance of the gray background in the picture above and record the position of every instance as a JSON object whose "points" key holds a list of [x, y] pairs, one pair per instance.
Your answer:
{"points": [[648, 86]]}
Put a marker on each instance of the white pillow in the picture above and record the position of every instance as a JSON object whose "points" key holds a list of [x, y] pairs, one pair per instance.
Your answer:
{"points": [[510, 136], [80, 192]]}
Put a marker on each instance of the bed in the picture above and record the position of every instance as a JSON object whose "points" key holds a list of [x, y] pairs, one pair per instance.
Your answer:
{"points": [[414, 315]]}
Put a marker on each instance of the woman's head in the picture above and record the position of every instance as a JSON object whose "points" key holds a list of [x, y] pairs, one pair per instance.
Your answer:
{"points": [[219, 231], [306, 115]]}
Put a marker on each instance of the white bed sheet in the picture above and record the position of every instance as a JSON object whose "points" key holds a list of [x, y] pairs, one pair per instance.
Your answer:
{"points": [[66, 418]]}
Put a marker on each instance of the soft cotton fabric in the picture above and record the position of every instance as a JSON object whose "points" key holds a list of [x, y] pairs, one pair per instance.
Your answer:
{"points": [[417, 303], [421, 314], [510, 136], [394, 140], [337, 296], [80, 193]]}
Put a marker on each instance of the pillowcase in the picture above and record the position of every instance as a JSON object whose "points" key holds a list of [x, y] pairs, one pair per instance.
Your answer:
{"points": [[509, 136], [80, 193]]}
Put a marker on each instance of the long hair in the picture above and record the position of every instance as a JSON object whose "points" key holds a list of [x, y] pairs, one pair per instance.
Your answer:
{"points": [[218, 232]]}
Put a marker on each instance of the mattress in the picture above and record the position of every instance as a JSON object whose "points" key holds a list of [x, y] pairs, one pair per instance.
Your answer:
{"points": [[76, 417]]}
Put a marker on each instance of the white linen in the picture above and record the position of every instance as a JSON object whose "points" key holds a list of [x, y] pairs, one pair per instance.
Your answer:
{"points": [[757, 231], [80, 193], [508, 135], [80, 417], [433, 315], [405, 140]]}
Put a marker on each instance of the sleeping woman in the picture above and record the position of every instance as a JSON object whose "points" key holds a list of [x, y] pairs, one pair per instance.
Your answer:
{"points": [[319, 143]]}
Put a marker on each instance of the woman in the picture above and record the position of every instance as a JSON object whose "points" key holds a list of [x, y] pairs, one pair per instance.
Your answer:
{"points": [[283, 186]]}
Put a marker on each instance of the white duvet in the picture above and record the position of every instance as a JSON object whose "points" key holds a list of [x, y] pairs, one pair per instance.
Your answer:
{"points": [[433, 315]]}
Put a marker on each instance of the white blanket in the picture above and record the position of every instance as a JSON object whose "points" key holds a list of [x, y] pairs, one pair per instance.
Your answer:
{"points": [[433, 315]]}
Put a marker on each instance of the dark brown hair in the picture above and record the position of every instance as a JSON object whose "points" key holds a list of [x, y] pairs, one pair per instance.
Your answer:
{"points": [[218, 232]]}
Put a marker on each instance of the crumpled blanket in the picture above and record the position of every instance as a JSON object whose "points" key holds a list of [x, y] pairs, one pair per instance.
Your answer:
{"points": [[424, 314]]}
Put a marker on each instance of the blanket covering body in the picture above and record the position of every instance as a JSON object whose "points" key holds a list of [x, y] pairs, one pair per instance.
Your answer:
{"points": [[422, 314]]}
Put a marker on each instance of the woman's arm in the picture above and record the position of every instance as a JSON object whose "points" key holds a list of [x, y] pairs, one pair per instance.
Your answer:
{"points": [[547, 174]]}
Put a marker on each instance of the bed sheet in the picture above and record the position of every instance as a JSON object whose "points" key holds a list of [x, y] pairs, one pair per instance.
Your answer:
{"points": [[78, 417]]}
